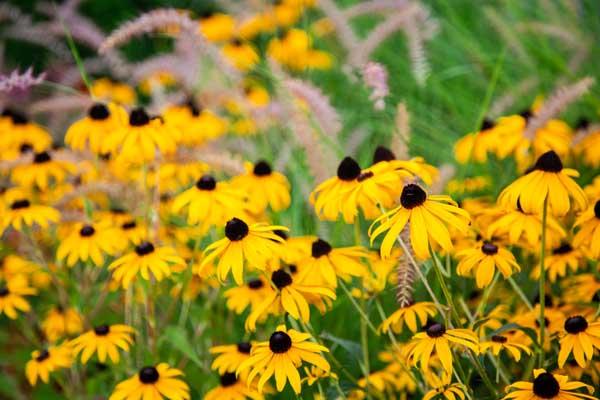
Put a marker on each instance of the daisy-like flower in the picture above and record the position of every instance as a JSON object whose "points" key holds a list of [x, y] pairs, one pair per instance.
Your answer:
{"points": [[208, 202], [292, 297], [249, 295], [59, 322], [139, 140], [145, 260], [476, 146], [485, 259], [547, 386], [196, 124], [12, 296], [134, 232], [103, 340], [547, 180], [232, 387], [42, 172], [18, 211], [263, 187], [43, 362], [217, 27], [254, 245], [90, 131], [281, 356], [443, 388], [19, 135], [326, 264], [313, 374], [153, 383], [91, 242], [241, 54], [500, 342], [110, 90], [437, 338], [557, 264], [413, 315], [427, 215], [294, 50], [588, 234], [580, 338], [230, 357]]}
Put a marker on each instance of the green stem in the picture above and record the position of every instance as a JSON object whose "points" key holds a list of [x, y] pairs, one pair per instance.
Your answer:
{"points": [[446, 293], [364, 343], [518, 290], [542, 282], [357, 306]]}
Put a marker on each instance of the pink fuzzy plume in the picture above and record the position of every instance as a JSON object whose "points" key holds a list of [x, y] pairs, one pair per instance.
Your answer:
{"points": [[375, 77], [17, 81]]}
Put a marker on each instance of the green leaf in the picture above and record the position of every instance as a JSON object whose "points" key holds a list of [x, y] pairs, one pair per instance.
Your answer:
{"points": [[177, 337], [351, 347]]}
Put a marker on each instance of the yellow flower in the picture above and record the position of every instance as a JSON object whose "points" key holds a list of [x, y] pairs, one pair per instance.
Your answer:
{"points": [[263, 187], [90, 242], [249, 295], [281, 356], [499, 342], [588, 234], [103, 340], [12, 296], [217, 27], [197, 125], [59, 322], [294, 50], [409, 315], [548, 180], [90, 131], [241, 54], [476, 146], [153, 383], [443, 387], [232, 387], [42, 172], [243, 244], [230, 357], [145, 260], [485, 259], [315, 373], [20, 136], [46, 361], [108, 90], [557, 264], [547, 386], [427, 217], [580, 338]]}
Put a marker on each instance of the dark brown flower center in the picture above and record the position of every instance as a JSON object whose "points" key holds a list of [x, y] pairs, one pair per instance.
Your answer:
{"points": [[281, 279], [44, 355], [546, 322], [489, 249], [236, 229], [40, 158], [549, 162], [25, 148], [412, 196], [138, 117], [255, 284], [546, 386], [87, 231], [148, 375], [364, 176], [4, 291], [16, 205], [383, 154], [102, 330], [193, 107], [348, 170], [281, 234], [206, 182], [487, 124], [499, 339], [320, 248], [228, 379], [98, 112], [17, 117], [144, 248], [435, 330], [244, 347], [129, 225], [280, 342], [563, 249], [262, 168], [597, 209], [576, 324]]}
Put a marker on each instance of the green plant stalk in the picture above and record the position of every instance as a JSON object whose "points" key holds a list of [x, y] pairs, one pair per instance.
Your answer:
{"points": [[364, 344], [518, 290], [362, 313], [542, 282]]}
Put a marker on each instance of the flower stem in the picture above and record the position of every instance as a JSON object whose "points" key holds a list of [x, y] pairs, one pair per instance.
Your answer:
{"points": [[357, 306], [542, 282], [364, 344]]}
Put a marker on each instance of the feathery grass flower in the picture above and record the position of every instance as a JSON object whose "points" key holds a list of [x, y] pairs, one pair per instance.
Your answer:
{"points": [[588, 233], [289, 296], [485, 258], [103, 340], [89, 242], [548, 179], [413, 315], [263, 187], [547, 386], [145, 260], [500, 342], [12, 296], [580, 338], [153, 383], [230, 357], [60, 322], [437, 338], [43, 362], [281, 356], [90, 132], [243, 244], [427, 216]]}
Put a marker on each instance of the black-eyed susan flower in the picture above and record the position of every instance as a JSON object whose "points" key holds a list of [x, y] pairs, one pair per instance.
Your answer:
{"points": [[498, 343], [243, 244], [43, 362], [588, 233], [327, 263], [209, 203], [19, 212], [294, 50], [232, 387], [19, 135], [103, 340], [135, 232], [91, 242], [561, 259], [427, 216], [141, 139], [89, 132], [413, 315], [443, 388], [230, 357], [281, 356], [314, 374], [483, 261], [581, 288], [241, 54], [476, 146], [263, 187], [12, 296], [196, 124], [145, 260], [548, 386], [580, 337], [153, 383], [217, 26], [289, 296], [108, 90], [437, 338], [60, 322], [251, 294], [553, 323], [548, 180], [41, 172]]}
